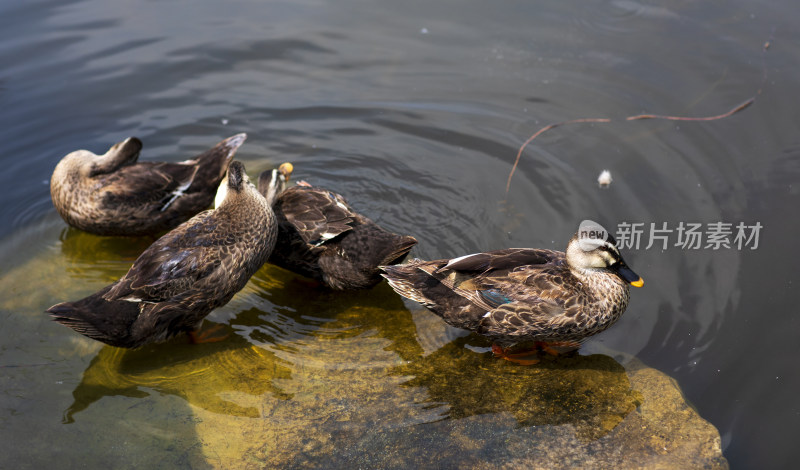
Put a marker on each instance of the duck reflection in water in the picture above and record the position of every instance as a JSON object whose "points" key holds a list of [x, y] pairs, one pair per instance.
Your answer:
{"points": [[98, 258], [200, 374], [593, 394], [288, 312]]}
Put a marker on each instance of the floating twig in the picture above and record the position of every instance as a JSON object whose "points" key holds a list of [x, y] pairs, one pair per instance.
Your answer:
{"points": [[704, 118], [638, 117], [543, 129]]}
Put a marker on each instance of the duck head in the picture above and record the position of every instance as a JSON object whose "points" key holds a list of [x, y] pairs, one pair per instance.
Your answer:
{"points": [[235, 182], [595, 252], [271, 183]]}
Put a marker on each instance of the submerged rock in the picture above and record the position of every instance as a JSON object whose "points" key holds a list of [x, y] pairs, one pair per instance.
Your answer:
{"points": [[582, 411], [590, 394], [329, 380], [459, 407]]}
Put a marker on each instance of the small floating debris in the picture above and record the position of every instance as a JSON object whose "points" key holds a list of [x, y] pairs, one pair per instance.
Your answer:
{"points": [[604, 179], [423, 31]]}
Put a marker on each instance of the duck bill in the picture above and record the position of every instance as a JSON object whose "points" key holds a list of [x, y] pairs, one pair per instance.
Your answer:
{"points": [[286, 170], [630, 276]]}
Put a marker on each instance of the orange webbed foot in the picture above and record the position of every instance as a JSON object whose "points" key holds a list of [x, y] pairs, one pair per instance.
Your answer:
{"points": [[557, 348], [305, 283], [520, 357], [207, 336]]}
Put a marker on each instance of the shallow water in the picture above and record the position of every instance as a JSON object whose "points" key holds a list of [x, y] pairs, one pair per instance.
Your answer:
{"points": [[415, 113]]}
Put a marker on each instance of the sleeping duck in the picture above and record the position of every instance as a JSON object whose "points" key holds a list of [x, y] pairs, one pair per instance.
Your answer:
{"points": [[524, 295], [320, 236], [113, 194], [185, 274]]}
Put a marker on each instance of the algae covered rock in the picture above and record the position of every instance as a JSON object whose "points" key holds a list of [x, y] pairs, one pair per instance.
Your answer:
{"points": [[459, 407], [590, 393], [590, 411], [320, 381]]}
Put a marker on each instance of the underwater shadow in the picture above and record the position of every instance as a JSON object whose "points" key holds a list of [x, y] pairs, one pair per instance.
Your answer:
{"points": [[593, 394], [201, 374], [294, 307], [93, 257]]}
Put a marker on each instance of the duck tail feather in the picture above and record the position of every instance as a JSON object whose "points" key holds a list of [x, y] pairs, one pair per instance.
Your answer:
{"points": [[97, 318], [69, 316], [404, 279], [399, 250], [214, 162]]}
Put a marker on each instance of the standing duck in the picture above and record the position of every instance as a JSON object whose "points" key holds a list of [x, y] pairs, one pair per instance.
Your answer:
{"points": [[113, 194], [185, 274], [524, 295], [320, 236]]}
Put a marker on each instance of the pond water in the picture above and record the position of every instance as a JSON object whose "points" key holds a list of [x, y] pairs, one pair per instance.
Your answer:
{"points": [[415, 112]]}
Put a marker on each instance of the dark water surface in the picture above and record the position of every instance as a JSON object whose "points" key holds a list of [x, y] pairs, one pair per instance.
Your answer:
{"points": [[415, 112]]}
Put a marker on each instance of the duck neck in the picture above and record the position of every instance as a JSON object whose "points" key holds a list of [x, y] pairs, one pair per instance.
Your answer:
{"points": [[273, 191]]}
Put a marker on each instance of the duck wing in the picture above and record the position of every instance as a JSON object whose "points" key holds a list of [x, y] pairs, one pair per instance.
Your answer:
{"points": [[496, 277], [175, 263], [524, 301], [525, 319], [151, 186], [499, 261], [528, 300], [318, 215]]}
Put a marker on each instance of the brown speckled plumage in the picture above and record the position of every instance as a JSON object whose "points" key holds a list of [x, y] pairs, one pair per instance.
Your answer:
{"points": [[113, 194], [182, 276], [320, 236], [522, 295]]}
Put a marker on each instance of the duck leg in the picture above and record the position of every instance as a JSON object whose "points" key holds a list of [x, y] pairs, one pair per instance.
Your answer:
{"points": [[305, 283], [207, 336], [557, 348], [515, 357]]}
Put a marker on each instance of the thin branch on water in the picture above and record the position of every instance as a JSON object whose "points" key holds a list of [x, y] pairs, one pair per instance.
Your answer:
{"points": [[638, 117], [543, 129], [704, 118]]}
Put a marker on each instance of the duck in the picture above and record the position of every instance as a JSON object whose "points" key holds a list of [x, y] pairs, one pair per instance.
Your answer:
{"points": [[320, 236], [551, 299], [184, 275], [113, 194]]}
